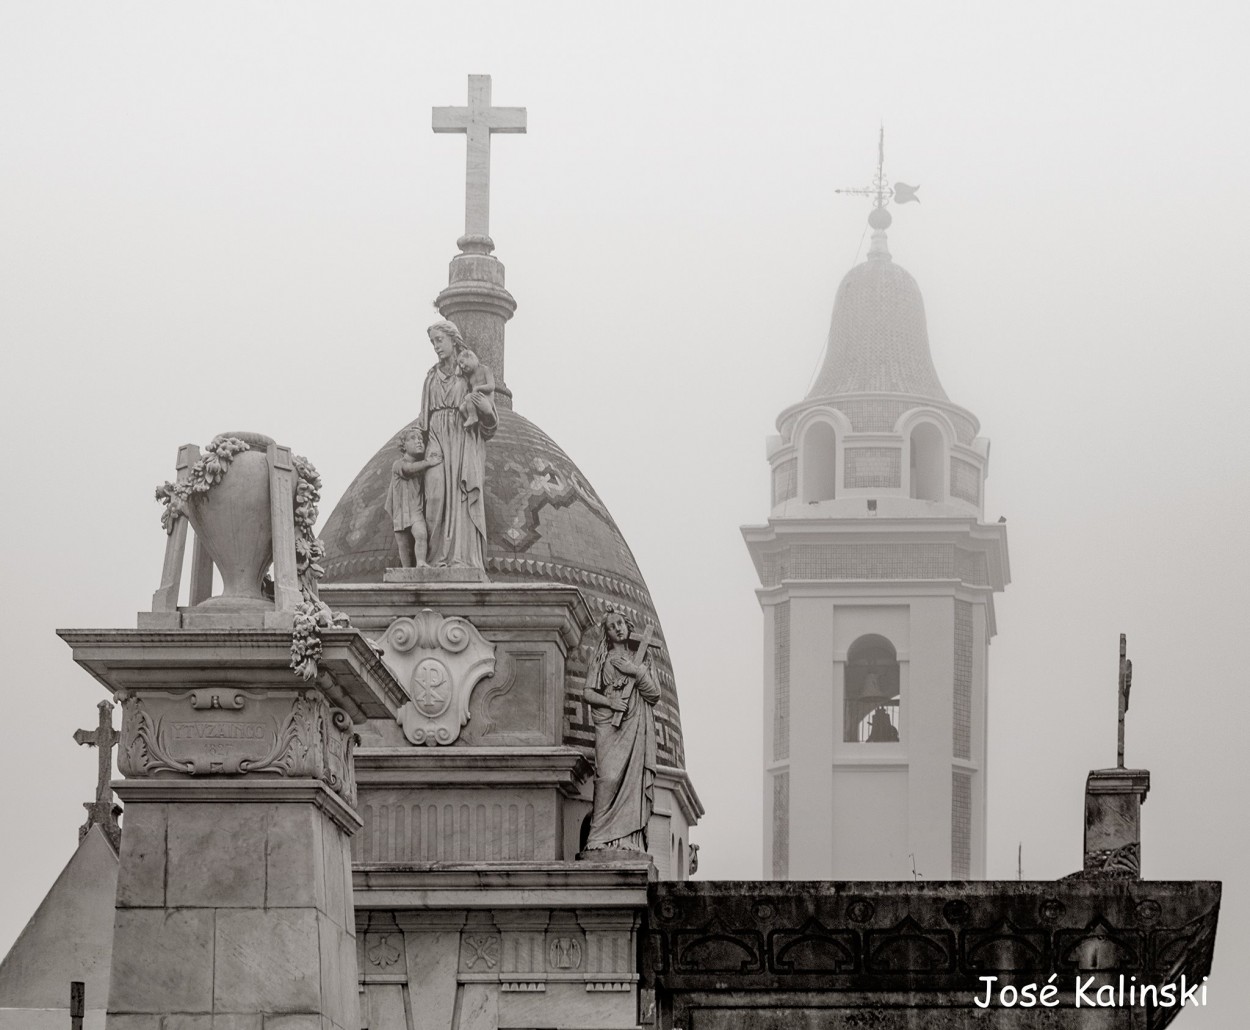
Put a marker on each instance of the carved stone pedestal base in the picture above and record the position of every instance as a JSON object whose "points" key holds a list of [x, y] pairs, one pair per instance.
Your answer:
{"points": [[234, 900], [234, 895], [1113, 800]]}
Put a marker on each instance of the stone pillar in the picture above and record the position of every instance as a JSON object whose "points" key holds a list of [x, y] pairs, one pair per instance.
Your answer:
{"points": [[476, 300], [234, 902], [234, 906], [1113, 800]]}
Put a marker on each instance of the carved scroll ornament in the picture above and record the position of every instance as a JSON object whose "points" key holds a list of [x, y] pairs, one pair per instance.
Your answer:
{"points": [[292, 735], [439, 661]]}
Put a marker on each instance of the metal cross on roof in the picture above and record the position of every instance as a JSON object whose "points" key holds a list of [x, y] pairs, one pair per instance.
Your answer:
{"points": [[1126, 685], [880, 190], [477, 122], [102, 812]]}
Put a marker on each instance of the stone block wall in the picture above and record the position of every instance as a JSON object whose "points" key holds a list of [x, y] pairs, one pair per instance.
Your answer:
{"points": [[233, 915]]}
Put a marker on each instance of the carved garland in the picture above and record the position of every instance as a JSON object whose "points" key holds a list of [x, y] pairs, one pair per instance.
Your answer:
{"points": [[312, 614], [201, 477]]}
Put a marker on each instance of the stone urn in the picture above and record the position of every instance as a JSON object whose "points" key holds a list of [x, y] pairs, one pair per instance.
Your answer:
{"points": [[234, 521]]}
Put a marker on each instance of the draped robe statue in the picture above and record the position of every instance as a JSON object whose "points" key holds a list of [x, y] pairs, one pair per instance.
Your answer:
{"points": [[455, 509], [621, 680]]}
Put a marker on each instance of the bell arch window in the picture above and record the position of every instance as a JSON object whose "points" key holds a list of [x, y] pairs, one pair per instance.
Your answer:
{"points": [[818, 472], [871, 692], [927, 452]]}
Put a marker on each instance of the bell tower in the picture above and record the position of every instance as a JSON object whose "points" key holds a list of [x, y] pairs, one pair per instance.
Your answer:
{"points": [[877, 582]]}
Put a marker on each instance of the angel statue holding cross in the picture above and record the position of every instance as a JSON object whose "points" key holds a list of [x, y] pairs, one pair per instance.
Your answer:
{"points": [[621, 690]]}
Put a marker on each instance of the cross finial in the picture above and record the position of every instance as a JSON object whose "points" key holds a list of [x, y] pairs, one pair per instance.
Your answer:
{"points": [[1126, 685], [102, 812], [882, 192], [477, 121]]}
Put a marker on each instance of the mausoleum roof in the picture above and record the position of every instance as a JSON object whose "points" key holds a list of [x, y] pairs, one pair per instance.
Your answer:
{"points": [[878, 337], [544, 523]]}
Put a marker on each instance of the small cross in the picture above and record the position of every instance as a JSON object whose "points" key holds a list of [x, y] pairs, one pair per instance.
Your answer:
{"points": [[477, 122], [101, 811], [1126, 685]]}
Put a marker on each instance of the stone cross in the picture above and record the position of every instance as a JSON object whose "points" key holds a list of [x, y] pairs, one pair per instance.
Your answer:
{"points": [[477, 122], [101, 811], [1126, 684]]}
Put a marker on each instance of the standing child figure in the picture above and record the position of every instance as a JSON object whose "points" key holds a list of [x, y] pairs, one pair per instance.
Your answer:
{"points": [[481, 383], [405, 499]]}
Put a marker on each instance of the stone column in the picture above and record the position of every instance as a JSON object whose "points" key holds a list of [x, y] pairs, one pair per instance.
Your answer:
{"points": [[476, 300]]}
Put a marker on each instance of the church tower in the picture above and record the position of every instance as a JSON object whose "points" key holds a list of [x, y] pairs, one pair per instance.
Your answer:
{"points": [[877, 582]]}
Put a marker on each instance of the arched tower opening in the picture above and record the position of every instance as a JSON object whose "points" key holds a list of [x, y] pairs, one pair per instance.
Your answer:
{"points": [[927, 452], [818, 470], [871, 691]]}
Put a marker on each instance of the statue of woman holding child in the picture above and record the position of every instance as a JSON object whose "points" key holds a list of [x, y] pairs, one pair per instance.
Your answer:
{"points": [[457, 418]]}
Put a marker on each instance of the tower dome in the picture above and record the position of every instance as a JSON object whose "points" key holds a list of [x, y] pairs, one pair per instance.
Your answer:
{"points": [[546, 524], [878, 338]]}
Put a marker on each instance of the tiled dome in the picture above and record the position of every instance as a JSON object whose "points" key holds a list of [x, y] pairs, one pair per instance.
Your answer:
{"points": [[878, 339], [544, 523]]}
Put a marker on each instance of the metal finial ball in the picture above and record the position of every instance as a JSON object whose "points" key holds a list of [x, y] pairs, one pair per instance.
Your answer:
{"points": [[879, 218]]}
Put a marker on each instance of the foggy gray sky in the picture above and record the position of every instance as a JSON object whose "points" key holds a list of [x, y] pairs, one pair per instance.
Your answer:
{"points": [[235, 216]]}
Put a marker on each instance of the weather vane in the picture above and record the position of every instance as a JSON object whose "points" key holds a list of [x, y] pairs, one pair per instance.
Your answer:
{"points": [[882, 192]]}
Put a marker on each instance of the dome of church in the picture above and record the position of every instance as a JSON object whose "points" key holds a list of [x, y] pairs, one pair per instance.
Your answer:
{"points": [[545, 523], [878, 339]]}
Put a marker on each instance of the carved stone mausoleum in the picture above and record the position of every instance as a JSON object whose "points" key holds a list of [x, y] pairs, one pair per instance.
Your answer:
{"points": [[376, 789], [427, 773]]}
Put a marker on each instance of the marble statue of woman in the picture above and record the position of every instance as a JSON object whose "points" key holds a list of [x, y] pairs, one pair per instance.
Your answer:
{"points": [[455, 509], [619, 679]]}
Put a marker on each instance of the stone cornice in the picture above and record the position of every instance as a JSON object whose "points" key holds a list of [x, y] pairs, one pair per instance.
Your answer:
{"points": [[678, 781], [780, 537], [535, 609], [352, 675], [235, 790], [496, 885], [563, 767]]}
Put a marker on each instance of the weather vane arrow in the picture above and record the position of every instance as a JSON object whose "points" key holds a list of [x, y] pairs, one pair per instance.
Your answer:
{"points": [[882, 192]]}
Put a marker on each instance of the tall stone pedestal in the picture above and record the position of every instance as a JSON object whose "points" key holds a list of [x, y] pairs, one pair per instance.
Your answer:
{"points": [[1113, 800], [234, 901]]}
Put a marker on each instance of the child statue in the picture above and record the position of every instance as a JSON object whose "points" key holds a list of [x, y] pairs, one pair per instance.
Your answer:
{"points": [[481, 383], [405, 498]]}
